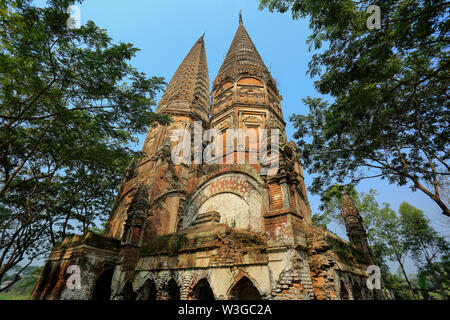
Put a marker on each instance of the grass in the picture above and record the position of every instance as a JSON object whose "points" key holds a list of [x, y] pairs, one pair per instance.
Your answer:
{"points": [[14, 296]]}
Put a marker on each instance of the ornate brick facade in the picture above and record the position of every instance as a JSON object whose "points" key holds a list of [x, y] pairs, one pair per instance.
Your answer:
{"points": [[215, 231]]}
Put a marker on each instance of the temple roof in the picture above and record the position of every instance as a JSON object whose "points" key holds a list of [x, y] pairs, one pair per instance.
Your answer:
{"points": [[242, 57], [190, 83]]}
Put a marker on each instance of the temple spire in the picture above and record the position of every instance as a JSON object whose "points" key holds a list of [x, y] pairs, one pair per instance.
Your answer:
{"points": [[243, 57], [190, 83]]}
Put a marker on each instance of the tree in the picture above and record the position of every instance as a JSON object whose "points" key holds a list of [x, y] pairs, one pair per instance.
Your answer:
{"points": [[71, 105], [389, 114], [381, 224], [426, 246], [396, 237]]}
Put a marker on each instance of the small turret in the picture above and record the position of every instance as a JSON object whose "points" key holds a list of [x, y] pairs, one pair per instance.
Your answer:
{"points": [[136, 217], [354, 226]]}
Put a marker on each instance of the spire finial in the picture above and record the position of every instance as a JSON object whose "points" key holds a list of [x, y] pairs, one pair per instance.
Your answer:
{"points": [[240, 17]]}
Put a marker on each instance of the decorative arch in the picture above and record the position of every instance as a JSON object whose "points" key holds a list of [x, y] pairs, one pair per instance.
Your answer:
{"points": [[128, 292], [202, 290], [148, 290], [244, 289], [173, 290], [170, 204], [245, 189], [250, 81], [225, 86]]}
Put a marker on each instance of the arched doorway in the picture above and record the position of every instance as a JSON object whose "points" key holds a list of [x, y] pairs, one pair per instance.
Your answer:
{"points": [[128, 293], [244, 290], [149, 290], [202, 291], [173, 290], [102, 289]]}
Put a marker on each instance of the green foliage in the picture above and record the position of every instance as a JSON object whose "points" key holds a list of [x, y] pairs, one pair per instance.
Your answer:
{"points": [[331, 205], [395, 237], [320, 220], [100, 231], [71, 106], [388, 116], [23, 288], [425, 246]]}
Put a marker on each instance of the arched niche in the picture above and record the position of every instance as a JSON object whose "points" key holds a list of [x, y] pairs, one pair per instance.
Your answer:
{"points": [[102, 288], [250, 81], [128, 292], [223, 87], [233, 209], [244, 289], [235, 196], [173, 290], [202, 291], [149, 290]]}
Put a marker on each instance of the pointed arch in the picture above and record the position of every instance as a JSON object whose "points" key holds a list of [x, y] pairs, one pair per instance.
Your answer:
{"points": [[244, 289], [128, 292], [202, 290], [173, 290], [148, 290]]}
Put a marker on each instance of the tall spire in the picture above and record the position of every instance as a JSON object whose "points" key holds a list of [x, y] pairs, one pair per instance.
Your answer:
{"points": [[190, 83], [242, 57]]}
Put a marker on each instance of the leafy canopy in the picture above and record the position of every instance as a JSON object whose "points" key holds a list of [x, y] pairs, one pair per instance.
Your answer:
{"points": [[71, 105], [389, 115]]}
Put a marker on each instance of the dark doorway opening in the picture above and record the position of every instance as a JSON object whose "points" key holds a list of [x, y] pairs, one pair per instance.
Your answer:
{"points": [[202, 291], [128, 293], [244, 290], [102, 289], [149, 290], [173, 290]]}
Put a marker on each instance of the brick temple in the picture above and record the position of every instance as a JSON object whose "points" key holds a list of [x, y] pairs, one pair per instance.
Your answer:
{"points": [[214, 231]]}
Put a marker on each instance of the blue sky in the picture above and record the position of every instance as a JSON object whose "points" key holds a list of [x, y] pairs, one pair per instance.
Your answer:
{"points": [[166, 30]]}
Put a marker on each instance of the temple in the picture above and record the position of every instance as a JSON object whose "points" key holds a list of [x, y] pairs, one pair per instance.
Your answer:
{"points": [[216, 230]]}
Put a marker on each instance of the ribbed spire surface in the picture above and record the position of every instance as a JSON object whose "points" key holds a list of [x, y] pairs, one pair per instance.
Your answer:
{"points": [[242, 57], [190, 83]]}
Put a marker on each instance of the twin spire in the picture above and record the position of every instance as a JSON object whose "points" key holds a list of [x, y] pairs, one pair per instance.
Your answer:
{"points": [[190, 82]]}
